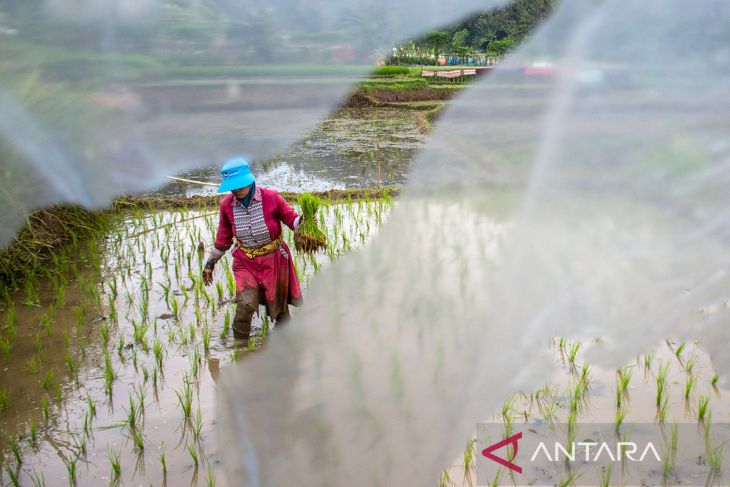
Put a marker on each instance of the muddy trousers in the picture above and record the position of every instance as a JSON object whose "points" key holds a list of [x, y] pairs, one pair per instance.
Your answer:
{"points": [[247, 303]]}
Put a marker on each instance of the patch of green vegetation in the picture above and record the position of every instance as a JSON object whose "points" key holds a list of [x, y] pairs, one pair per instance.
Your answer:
{"points": [[393, 71]]}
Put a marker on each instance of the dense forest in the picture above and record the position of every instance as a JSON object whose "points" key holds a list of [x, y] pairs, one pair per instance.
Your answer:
{"points": [[493, 32]]}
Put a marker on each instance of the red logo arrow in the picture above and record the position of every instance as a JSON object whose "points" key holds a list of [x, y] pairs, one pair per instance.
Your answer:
{"points": [[487, 452]]}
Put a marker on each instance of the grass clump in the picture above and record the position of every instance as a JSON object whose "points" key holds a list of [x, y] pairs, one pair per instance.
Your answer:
{"points": [[308, 237]]}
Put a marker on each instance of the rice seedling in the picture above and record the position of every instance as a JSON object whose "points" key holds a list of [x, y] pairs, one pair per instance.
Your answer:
{"points": [[109, 374], [38, 480], [47, 381], [198, 425], [210, 479], [702, 404], [663, 410], [585, 377], [469, 460], [80, 313], [690, 363], [6, 346], [193, 454], [678, 351], [715, 379], [623, 378], [141, 393], [71, 469], [112, 285], [619, 419], [87, 427], [673, 440], [45, 322], [570, 423], [175, 307], [120, 347], [4, 399], [133, 415], [163, 461], [33, 432], [667, 463], [191, 332], [40, 349], [138, 440], [195, 361], [569, 480], [115, 462], [79, 444], [661, 382], [13, 476], [689, 386], [71, 366], [158, 350], [140, 334], [11, 320], [219, 290], [226, 325], [308, 237], [206, 339], [15, 449], [572, 353], [44, 408], [32, 297], [32, 365], [715, 458], [104, 330], [185, 398], [445, 479]]}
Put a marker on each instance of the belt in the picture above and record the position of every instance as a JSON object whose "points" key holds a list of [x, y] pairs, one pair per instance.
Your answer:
{"points": [[252, 252]]}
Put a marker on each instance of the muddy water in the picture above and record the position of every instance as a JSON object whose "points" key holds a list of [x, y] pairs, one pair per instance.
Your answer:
{"points": [[342, 152], [682, 360], [137, 278], [105, 371]]}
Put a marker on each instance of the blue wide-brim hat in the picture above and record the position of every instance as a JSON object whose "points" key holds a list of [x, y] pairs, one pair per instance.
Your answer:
{"points": [[236, 175]]}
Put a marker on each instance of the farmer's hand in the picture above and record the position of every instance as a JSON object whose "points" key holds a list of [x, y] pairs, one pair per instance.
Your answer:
{"points": [[208, 272], [314, 218]]}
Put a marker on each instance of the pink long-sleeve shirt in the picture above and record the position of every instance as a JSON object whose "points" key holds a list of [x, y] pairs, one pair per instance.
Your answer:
{"points": [[275, 208], [273, 272]]}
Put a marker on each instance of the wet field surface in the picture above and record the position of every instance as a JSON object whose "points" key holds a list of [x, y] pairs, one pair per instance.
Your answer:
{"points": [[345, 151], [110, 374], [111, 371]]}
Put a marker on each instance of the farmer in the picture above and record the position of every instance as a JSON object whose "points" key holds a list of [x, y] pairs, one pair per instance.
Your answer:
{"points": [[262, 262]]}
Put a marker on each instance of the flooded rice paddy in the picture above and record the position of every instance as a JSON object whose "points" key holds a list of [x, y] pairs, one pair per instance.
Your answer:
{"points": [[353, 148], [110, 364], [674, 384]]}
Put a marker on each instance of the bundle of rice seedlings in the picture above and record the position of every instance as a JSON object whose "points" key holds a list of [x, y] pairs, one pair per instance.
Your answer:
{"points": [[308, 237]]}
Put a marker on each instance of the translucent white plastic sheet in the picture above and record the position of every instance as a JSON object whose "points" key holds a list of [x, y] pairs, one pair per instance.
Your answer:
{"points": [[105, 97], [586, 195]]}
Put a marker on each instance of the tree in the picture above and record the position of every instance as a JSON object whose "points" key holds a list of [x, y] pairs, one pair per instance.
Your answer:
{"points": [[437, 40], [500, 47], [459, 43], [495, 31]]}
